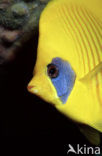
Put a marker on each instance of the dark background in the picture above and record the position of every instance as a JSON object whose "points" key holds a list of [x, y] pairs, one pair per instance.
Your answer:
{"points": [[23, 114]]}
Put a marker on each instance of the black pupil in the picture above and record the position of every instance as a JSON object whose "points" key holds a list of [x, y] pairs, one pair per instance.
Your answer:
{"points": [[52, 71]]}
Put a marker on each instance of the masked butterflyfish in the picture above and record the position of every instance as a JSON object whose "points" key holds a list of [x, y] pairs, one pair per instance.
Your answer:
{"points": [[68, 70]]}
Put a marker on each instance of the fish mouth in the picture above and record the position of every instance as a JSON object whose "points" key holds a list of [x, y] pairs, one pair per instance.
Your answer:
{"points": [[32, 89]]}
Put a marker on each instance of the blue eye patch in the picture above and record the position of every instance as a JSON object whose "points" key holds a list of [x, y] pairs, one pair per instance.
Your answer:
{"points": [[65, 79]]}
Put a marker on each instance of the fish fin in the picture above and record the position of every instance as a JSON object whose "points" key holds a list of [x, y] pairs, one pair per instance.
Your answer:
{"points": [[92, 73], [92, 135], [98, 125]]}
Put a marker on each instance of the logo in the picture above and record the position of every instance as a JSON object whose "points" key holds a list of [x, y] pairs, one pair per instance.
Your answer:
{"points": [[83, 150]]}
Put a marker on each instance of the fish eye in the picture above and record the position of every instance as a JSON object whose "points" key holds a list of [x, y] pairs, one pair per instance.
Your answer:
{"points": [[52, 71]]}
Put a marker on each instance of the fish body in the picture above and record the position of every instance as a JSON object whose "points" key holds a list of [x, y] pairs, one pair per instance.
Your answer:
{"points": [[68, 70]]}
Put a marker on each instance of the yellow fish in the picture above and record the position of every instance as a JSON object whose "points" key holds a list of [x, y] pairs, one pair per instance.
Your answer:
{"points": [[68, 70]]}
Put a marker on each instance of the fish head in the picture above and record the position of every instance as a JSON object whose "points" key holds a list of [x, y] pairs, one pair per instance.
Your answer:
{"points": [[53, 78]]}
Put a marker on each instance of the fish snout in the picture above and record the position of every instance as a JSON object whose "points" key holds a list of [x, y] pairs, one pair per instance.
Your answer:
{"points": [[32, 89], [29, 87]]}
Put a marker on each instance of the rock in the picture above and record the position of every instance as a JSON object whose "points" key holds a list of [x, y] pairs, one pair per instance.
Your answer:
{"points": [[18, 23], [10, 36]]}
